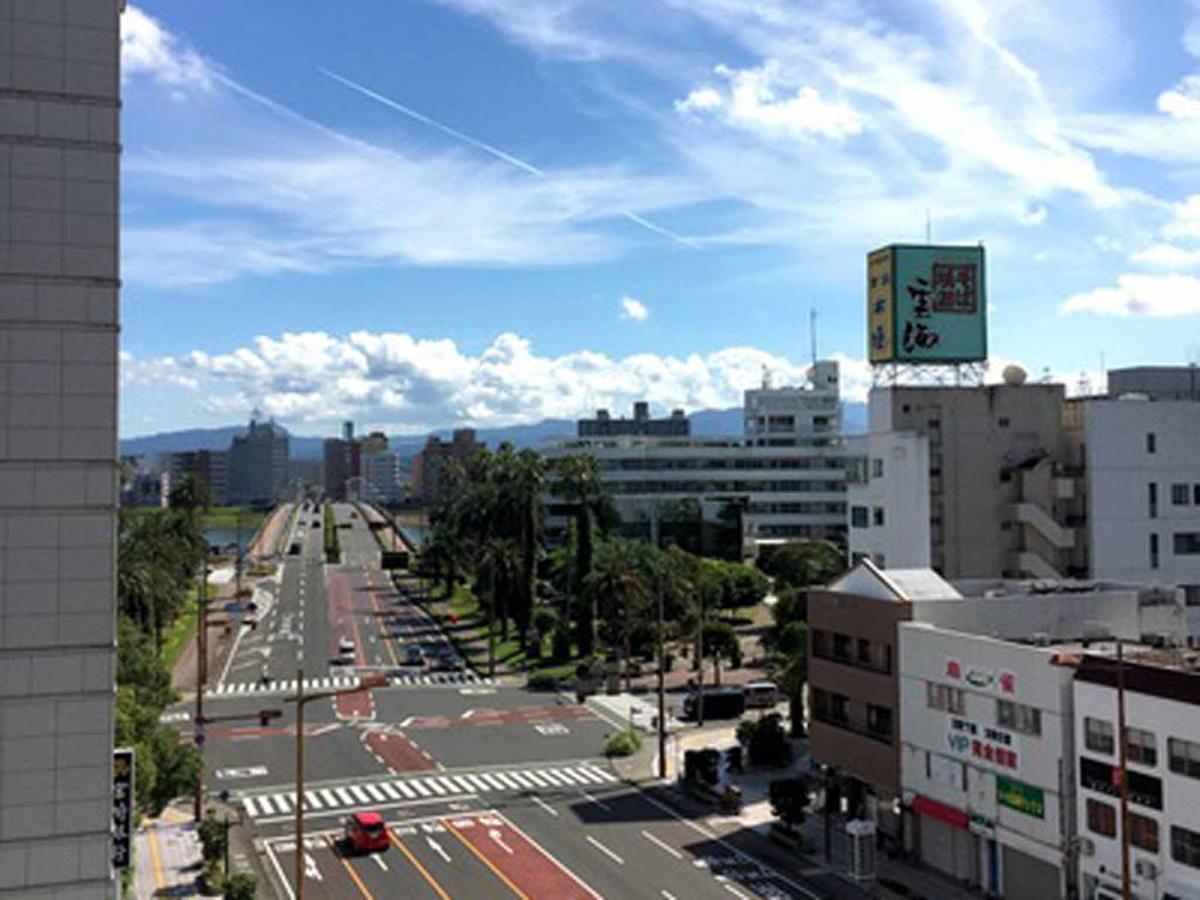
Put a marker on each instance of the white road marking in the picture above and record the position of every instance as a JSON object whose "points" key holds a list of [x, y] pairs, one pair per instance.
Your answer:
{"points": [[661, 844], [437, 848], [599, 846], [736, 892], [379, 860], [595, 800], [497, 836], [544, 805]]}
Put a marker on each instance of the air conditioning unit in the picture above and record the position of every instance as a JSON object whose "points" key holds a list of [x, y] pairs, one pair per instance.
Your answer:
{"points": [[1087, 847], [1146, 868]]}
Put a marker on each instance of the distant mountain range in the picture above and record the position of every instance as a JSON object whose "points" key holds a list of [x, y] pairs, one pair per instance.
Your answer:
{"points": [[706, 423]]}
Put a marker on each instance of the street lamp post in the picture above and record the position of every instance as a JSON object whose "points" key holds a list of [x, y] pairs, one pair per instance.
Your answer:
{"points": [[662, 690], [366, 684], [201, 671]]}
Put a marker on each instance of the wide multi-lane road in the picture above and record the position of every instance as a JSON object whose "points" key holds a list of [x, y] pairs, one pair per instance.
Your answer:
{"points": [[488, 790]]}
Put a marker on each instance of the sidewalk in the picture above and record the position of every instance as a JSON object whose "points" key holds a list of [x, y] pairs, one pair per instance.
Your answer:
{"points": [[166, 854], [641, 712]]}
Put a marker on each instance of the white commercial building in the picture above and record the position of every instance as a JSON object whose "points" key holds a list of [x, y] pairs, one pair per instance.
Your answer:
{"points": [[1162, 727], [986, 751], [786, 474], [59, 150], [887, 481], [1143, 490]]}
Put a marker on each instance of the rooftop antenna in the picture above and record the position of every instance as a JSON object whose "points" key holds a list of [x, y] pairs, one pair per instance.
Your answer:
{"points": [[928, 226], [1103, 374], [766, 377]]}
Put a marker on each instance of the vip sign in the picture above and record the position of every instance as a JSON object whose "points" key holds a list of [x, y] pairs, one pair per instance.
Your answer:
{"points": [[983, 744]]}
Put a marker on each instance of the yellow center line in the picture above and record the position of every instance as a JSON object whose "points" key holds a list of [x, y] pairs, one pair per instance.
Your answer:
{"points": [[417, 865], [354, 876], [383, 632], [483, 859], [160, 878]]}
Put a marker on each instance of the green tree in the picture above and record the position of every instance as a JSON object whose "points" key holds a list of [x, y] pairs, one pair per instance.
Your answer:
{"points": [[577, 482], [496, 571], [790, 799], [619, 588], [241, 886], [800, 564], [721, 643]]}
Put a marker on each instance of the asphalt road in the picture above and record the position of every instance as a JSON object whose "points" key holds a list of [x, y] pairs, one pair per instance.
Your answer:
{"points": [[488, 790]]}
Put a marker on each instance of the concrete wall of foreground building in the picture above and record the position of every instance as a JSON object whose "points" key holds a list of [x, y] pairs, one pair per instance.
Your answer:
{"points": [[59, 146]]}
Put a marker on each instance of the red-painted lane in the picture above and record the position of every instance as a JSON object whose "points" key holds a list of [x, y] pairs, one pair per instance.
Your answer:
{"points": [[396, 752], [517, 860]]}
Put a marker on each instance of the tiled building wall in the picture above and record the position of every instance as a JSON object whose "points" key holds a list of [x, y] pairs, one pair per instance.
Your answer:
{"points": [[59, 113]]}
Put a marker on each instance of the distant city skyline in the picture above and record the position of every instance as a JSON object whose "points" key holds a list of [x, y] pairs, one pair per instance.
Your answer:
{"points": [[476, 212]]}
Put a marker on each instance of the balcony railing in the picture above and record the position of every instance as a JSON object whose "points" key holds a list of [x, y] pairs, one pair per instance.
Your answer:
{"points": [[825, 718], [847, 659]]}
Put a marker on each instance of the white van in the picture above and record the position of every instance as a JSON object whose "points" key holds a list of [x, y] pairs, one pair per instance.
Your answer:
{"points": [[761, 694]]}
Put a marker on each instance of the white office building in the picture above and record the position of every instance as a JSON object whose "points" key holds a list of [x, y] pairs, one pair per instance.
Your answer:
{"points": [[59, 150], [786, 473], [887, 481], [986, 751], [1142, 459], [1162, 727]]}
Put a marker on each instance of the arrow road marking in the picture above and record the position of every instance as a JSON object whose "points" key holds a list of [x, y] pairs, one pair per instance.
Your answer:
{"points": [[310, 868], [379, 859], [498, 837], [438, 849]]}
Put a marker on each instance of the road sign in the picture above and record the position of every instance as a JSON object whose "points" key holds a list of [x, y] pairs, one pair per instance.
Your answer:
{"points": [[233, 607], [122, 811]]}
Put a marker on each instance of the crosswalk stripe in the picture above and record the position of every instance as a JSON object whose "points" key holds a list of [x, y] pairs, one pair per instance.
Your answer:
{"points": [[505, 779], [374, 792], [494, 781], [391, 792], [571, 777], [521, 779], [405, 789], [251, 805], [361, 795], [345, 796], [552, 778], [604, 776], [478, 782], [328, 796], [311, 801], [589, 775], [463, 784], [536, 779], [420, 788], [436, 786]]}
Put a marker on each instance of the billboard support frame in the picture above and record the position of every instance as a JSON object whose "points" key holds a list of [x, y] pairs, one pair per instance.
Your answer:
{"points": [[892, 374]]}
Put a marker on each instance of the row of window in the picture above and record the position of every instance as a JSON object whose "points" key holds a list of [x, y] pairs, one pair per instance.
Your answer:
{"points": [[725, 487], [1183, 756], [799, 507], [833, 709], [858, 652], [859, 514], [1181, 495], [1186, 543], [1143, 832], [801, 462], [1009, 714]]}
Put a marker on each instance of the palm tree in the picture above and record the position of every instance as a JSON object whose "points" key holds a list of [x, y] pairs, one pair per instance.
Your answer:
{"points": [[620, 586], [527, 484], [578, 482], [496, 566]]}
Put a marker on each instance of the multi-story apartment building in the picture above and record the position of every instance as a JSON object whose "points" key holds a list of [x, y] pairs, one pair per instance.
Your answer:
{"points": [[992, 461], [60, 93], [430, 463], [1142, 486], [784, 476], [258, 465], [1162, 774], [209, 467]]}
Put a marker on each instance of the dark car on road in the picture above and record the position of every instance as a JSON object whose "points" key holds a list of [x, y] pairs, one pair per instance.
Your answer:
{"points": [[719, 703]]}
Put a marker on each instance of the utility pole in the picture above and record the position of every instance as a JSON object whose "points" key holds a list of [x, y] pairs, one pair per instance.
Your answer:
{"points": [[300, 855], [201, 673], [1125, 893], [700, 667], [662, 689]]}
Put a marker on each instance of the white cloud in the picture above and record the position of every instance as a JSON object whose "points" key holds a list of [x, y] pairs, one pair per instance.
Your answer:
{"points": [[760, 101], [634, 309], [1168, 256], [1183, 100], [1185, 219], [148, 49], [1157, 296], [411, 384]]}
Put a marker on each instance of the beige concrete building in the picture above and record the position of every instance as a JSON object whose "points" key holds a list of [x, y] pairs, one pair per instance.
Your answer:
{"points": [[59, 150], [1002, 493]]}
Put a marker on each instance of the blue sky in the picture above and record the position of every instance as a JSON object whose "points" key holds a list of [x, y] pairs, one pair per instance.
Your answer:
{"points": [[417, 213]]}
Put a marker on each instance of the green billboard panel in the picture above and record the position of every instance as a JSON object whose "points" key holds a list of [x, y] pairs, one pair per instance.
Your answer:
{"points": [[1021, 797], [937, 304]]}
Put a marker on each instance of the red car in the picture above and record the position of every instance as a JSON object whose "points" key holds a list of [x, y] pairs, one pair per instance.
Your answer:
{"points": [[366, 833]]}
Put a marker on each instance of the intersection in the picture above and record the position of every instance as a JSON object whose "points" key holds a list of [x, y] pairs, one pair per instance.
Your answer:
{"points": [[487, 789]]}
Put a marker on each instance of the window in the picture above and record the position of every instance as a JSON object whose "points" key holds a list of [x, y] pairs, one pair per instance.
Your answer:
{"points": [[943, 696], [1098, 735], [1187, 543], [858, 517], [1180, 494], [877, 515], [1018, 717], [1154, 551], [1183, 757], [877, 468], [864, 651], [837, 707], [935, 424], [1196, 494], [1185, 846], [879, 721], [1191, 594], [1143, 832], [1101, 818], [841, 646], [1153, 490], [1140, 747], [1151, 444]]}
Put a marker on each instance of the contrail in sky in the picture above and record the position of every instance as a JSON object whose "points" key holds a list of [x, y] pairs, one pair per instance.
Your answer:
{"points": [[496, 152]]}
